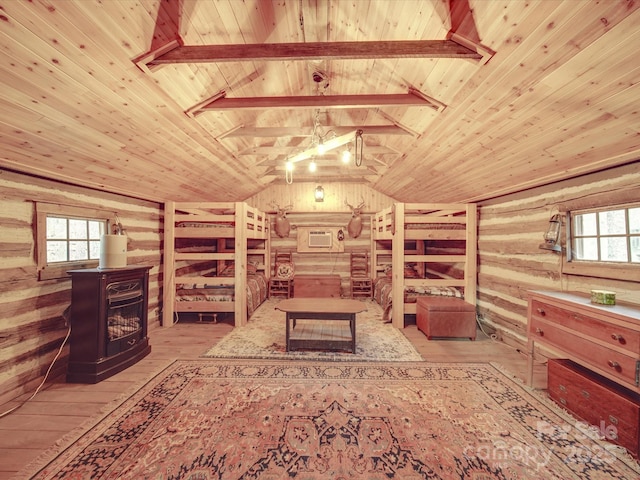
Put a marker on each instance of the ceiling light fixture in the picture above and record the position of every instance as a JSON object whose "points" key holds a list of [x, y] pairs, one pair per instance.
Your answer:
{"points": [[346, 156], [288, 172], [319, 194], [328, 145]]}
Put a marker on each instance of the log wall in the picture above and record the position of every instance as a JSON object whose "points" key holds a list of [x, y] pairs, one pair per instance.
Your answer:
{"points": [[32, 327], [511, 263]]}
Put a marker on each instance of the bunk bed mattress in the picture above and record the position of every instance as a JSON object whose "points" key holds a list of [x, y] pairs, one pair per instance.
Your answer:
{"points": [[256, 292], [382, 293]]}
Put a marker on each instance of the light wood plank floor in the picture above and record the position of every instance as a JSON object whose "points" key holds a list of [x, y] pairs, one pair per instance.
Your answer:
{"points": [[60, 407]]}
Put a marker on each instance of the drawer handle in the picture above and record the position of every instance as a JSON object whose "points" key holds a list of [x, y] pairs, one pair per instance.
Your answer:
{"points": [[613, 419], [132, 342], [614, 365], [541, 312], [539, 331], [618, 338], [563, 401], [585, 394], [562, 388]]}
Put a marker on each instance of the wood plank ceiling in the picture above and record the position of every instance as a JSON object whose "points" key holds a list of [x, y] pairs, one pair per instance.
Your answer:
{"points": [[188, 100]]}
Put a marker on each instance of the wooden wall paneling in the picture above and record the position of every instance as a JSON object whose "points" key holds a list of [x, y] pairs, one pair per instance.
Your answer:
{"points": [[32, 326], [301, 196]]}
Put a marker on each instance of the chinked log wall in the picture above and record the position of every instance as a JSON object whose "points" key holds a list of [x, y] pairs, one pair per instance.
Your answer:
{"points": [[510, 262], [31, 323]]}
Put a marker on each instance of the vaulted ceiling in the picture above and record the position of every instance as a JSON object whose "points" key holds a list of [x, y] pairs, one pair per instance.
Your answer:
{"points": [[189, 100]]}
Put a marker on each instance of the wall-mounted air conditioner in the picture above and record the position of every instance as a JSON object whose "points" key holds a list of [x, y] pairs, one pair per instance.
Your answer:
{"points": [[320, 239]]}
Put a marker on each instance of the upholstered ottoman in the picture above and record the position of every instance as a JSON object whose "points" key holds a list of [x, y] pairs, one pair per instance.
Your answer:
{"points": [[446, 317]]}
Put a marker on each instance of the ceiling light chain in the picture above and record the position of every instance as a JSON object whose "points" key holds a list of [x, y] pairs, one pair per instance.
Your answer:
{"points": [[358, 157]]}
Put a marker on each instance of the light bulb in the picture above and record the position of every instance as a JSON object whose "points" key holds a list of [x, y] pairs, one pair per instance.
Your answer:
{"points": [[346, 156], [289, 166], [321, 148], [312, 166]]}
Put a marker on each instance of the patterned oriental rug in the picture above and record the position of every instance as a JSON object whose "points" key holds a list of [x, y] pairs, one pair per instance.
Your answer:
{"points": [[264, 337], [276, 420]]}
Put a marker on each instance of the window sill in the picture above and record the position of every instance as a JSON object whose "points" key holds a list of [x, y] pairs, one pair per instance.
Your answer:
{"points": [[627, 272], [53, 272]]}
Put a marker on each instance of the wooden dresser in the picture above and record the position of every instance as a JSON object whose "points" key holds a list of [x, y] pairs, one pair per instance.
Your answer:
{"points": [[602, 338], [317, 286], [597, 377]]}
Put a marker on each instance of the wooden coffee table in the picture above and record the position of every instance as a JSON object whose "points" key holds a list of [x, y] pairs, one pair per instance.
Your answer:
{"points": [[320, 310]]}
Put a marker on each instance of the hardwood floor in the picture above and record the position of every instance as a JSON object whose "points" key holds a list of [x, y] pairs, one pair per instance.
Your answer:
{"points": [[61, 407]]}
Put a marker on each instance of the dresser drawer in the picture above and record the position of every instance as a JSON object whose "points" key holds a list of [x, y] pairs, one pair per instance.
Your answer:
{"points": [[599, 357], [614, 410], [609, 333]]}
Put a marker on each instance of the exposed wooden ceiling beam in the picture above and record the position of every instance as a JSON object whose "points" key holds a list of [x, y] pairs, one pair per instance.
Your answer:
{"points": [[319, 101], [333, 163], [284, 150], [300, 131], [177, 53]]}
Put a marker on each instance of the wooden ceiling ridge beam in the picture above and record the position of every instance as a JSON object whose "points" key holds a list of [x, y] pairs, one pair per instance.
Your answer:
{"points": [[411, 99], [286, 150], [300, 132], [176, 52]]}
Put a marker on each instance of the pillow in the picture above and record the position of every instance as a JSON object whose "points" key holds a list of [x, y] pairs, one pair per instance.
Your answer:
{"points": [[228, 271], [284, 270], [410, 272]]}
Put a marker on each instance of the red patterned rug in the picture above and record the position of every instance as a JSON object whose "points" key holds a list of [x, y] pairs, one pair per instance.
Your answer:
{"points": [[275, 420]]}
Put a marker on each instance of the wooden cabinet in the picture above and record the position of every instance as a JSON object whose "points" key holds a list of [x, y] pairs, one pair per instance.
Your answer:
{"points": [[613, 409], [311, 286], [604, 339]]}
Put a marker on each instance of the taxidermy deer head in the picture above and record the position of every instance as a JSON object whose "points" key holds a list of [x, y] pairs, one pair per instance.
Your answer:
{"points": [[355, 224], [282, 226]]}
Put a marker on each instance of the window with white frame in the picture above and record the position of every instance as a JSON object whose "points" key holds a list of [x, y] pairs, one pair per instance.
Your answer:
{"points": [[71, 239], [68, 238], [609, 235]]}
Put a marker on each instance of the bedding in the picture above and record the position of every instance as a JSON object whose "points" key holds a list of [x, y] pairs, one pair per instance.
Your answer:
{"points": [[256, 292], [204, 225], [382, 294]]}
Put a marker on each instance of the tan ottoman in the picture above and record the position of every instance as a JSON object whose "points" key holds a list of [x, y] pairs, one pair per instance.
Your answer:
{"points": [[446, 317]]}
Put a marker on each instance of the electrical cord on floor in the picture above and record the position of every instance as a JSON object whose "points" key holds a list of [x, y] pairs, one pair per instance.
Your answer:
{"points": [[46, 375], [494, 337]]}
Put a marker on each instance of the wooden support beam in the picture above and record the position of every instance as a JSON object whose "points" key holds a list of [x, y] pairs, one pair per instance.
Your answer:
{"points": [[300, 132], [310, 50], [312, 101], [284, 150]]}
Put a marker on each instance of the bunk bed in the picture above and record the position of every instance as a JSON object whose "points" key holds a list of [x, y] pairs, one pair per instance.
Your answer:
{"points": [[216, 259], [423, 249]]}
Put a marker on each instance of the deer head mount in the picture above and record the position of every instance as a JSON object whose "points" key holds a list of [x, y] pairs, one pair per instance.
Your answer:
{"points": [[282, 226], [355, 224]]}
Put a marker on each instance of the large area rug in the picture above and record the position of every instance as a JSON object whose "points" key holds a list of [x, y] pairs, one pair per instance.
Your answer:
{"points": [[275, 420], [264, 337]]}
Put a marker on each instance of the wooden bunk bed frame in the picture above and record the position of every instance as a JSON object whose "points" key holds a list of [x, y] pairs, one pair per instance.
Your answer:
{"points": [[390, 225], [232, 220]]}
